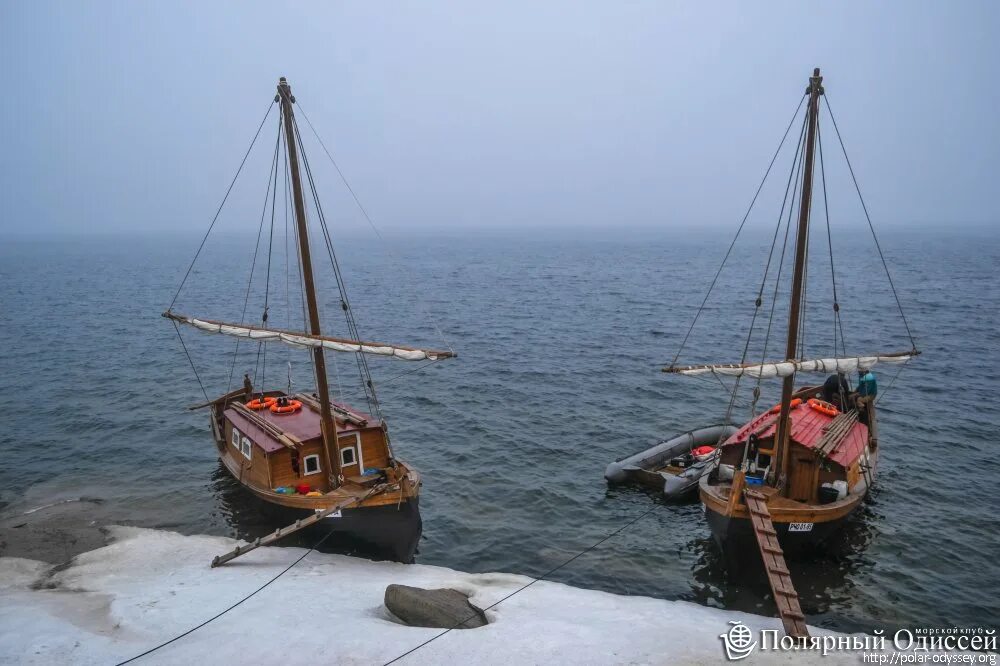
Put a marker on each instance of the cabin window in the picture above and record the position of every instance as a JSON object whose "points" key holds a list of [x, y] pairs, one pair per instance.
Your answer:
{"points": [[246, 448], [236, 438], [311, 464], [348, 456]]}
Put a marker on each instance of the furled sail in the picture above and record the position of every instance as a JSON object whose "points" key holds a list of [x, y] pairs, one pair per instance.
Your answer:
{"points": [[305, 340], [786, 368]]}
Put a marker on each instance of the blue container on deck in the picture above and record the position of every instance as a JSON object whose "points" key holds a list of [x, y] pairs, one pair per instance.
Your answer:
{"points": [[754, 481]]}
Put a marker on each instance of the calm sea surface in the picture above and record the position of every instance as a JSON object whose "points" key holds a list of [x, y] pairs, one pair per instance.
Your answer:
{"points": [[560, 341]]}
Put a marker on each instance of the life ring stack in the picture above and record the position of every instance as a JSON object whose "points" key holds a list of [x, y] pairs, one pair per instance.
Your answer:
{"points": [[262, 402], [285, 405]]}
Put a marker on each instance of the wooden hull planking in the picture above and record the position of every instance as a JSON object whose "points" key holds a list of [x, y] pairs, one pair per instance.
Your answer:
{"points": [[801, 526], [388, 519]]}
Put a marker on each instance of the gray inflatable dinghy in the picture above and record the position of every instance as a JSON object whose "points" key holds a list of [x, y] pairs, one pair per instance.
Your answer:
{"points": [[670, 465]]}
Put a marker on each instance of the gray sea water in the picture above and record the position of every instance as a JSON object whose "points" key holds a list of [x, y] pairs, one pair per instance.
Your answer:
{"points": [[560, 340]]}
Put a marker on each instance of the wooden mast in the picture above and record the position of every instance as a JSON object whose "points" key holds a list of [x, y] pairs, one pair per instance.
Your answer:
{"points": [[814, 90], [329, 426]]}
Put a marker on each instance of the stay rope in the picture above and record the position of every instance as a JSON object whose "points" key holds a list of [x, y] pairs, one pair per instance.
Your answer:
{"points": [[253, 267], [371, 223], [790, 186], [345, 305], [270, 252], [739, 230], [838, 325], [759, 300], [760, 292], [190, 360], [219, 210], [273, 193], [878, 246], [794, 178]]}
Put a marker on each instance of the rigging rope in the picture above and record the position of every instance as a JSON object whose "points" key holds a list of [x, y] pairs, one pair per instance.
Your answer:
{"points": [[216, 218], [526, 585], [298, 264], [796, 166], [253, 267], [894, 378], [797, 170], [857, 187], [837, 321], [419, 367], [371, 223], [838, 325], [738, 231], [367, 384], [760, 292], [270, 194], [262, 348], [190, 360], [288, 279], [804, 305]]}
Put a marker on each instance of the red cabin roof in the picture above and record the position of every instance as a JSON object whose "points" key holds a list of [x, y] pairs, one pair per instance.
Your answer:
{"points": [[302, 425], [808, 428]]}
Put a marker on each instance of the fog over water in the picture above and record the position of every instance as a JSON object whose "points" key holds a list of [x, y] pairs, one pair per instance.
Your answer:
{"points": [[452, 115]]}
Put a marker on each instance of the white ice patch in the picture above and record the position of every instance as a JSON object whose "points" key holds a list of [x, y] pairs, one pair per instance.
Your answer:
{"points": [[148, 586]]}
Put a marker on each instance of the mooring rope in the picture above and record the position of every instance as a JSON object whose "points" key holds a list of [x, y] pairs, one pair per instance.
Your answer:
{"points": [[526, 585], [221, 613], [252, 594], [414, 649]]}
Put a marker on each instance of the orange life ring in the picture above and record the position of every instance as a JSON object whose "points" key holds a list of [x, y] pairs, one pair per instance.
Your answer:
{"points": [[792, 405], [292, 407], [261, 403], [823, 407]]}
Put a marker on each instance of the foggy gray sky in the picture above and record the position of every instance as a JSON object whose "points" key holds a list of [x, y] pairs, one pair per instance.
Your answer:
{"points": [[482, 115]]}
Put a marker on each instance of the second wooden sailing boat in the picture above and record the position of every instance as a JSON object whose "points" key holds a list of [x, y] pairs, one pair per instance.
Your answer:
{"points": [[796, 471], [320, 460]]}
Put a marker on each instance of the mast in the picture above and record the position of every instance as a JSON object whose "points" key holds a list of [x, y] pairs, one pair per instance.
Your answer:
{"points": [[815, 90], [329, 426]]}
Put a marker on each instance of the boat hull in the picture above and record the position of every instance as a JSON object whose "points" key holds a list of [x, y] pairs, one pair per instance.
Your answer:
{"points": [[387, 523], [393, 530], [738, 544], [645, 467], [684, 486]]}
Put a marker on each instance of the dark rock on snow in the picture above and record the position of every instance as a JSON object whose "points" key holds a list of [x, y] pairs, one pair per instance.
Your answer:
{"points": [[443, 608]]}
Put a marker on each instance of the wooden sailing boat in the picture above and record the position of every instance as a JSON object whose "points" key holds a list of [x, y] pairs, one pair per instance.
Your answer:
{"points": [[797, 471], [321, 460]]}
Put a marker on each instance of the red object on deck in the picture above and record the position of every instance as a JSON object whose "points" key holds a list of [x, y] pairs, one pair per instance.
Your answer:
{"points": [[702, 450], [808, 428], [302, 488]]}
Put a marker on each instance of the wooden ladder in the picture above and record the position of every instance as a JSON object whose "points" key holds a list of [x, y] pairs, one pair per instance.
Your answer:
{"points": [[785, 596], [282, 532]]}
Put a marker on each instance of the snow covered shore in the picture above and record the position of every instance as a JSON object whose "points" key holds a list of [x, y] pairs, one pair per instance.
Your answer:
{"points": [[148, 586]]}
